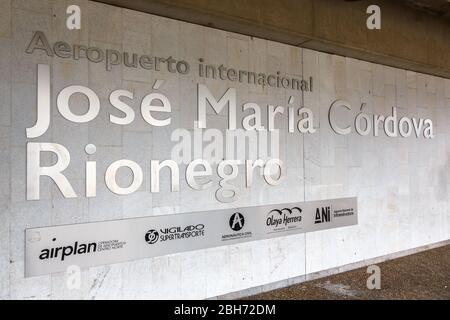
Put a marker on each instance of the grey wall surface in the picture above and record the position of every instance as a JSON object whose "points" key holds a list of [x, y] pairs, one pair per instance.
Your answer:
{"points": [[402, 184], [411, 37]]}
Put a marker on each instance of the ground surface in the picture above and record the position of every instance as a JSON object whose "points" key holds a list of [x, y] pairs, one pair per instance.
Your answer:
{"points": [[425, 275]]}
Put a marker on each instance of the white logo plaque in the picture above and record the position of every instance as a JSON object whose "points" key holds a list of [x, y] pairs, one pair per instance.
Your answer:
{"points": [[54, 249]]}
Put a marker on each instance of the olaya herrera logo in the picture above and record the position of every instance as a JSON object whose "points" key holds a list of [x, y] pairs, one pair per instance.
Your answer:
{"points": [[284, 217], [237, 221], [151, 236]]}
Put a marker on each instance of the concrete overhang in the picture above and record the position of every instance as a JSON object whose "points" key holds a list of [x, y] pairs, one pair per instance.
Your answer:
{"points": [[414, 35]]}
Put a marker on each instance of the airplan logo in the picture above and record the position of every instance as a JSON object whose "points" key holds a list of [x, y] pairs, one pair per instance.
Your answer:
{"points": [[62, 252]]}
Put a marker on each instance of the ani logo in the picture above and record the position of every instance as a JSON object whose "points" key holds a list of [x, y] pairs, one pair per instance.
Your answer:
{"points": [[151, 236], [323, 215]]}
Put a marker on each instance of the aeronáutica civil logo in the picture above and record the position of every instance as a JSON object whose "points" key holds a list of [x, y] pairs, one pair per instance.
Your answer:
{"points": [[236, 224]]}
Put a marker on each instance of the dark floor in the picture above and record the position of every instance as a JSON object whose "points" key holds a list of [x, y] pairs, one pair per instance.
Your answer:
{"points": [[424, 275]]}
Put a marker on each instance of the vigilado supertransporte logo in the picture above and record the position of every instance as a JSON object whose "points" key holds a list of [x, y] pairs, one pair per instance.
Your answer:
{"points": [[151, 236], [236, 224], [175, 233], [285, 219]]}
